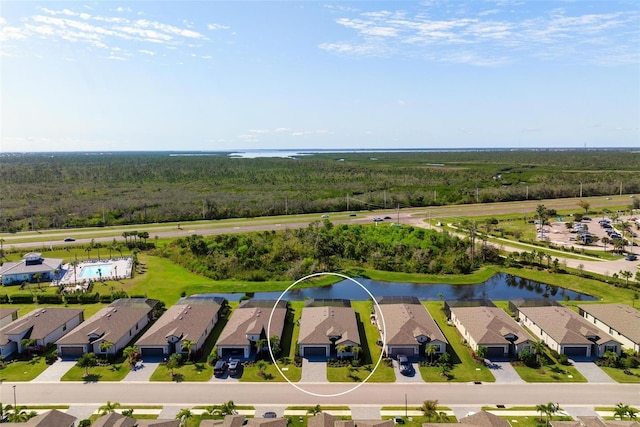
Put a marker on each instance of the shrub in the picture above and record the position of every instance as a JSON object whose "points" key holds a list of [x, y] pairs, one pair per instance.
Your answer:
{"points": [[89, 298], [4, 299], [21, 299], [49, 299], [72, 299]]}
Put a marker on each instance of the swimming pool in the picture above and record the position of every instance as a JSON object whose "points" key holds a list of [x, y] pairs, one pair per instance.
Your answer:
{"points": [[95, 271]]}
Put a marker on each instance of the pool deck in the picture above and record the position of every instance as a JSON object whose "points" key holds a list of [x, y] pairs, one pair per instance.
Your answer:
{"points": [[120, 268]]}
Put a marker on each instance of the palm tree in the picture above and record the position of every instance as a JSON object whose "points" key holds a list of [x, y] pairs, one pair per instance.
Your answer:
{"points": [[430, 409], [260, 345], [627, 275], [314, 411], [87, 361], [74, 263], [548, 410], [187, 345], [105, 346], [227, 408], [341, 349], [109, 407], [356, 350], [88, 251], [605, 241], [131, 354], [17, 414], [621, 411], [183, 415], [38, 278], [431, 351], [538, 350]]}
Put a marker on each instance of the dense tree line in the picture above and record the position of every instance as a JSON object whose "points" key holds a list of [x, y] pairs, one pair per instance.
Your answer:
{"points": [[73, 190], [290, 254]]}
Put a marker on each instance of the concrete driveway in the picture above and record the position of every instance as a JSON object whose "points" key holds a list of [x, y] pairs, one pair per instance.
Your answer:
{"points": [[591, 372], [141, 371], [503, 372], [55, 371], [414, 377], [314, 371]]}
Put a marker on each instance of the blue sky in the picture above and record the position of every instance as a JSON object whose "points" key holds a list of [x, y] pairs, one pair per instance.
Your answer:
{"points": [[220, 75]]}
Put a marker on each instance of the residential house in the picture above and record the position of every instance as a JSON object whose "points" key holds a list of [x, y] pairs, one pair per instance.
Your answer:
{"points": [[118, 324], [566, 332], [326, 327], [325, 419], [52, 418], [594, 422], [42, 325], [409, 327], [618, 320], [115, 419], [28, 269], [249, 324], [490, 327], [479, 419], [7, 315], [192, 318], [240, 421]]}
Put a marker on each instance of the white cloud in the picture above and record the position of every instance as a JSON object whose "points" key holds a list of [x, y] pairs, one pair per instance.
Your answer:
{"points": [[103, 31], [214, 27], [499, 35]]}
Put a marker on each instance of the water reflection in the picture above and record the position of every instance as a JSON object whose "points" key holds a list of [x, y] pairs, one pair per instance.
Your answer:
{"points": [[499, 287]]}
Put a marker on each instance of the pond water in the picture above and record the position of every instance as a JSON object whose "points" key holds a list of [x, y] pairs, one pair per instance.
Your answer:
{"points": [[500, 287]]}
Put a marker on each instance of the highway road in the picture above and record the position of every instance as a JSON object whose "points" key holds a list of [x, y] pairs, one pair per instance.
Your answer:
{"points": [[190, 394]]}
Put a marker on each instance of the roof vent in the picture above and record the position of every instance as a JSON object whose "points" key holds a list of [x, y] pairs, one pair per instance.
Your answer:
{"points": [[180, 317], [109, 315]]}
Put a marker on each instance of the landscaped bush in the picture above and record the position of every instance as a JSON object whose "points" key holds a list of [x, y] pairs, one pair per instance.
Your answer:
{"points": [[72, 298], [49, 299], [21, 299], [4, 299], [89, 298]]}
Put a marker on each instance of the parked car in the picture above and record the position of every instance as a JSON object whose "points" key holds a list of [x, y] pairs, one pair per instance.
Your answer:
{"points": [[377, 219], [631, 257], [398, 420], [405, 365], [270, 415], [325, 216], [235, 367], [387, 217], [220, 368]]}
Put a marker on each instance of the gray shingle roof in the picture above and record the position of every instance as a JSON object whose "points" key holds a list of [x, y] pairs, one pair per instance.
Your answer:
{"points": [[564, 325], [111, 323], [620, 317], [490, 325], [185, 321], [317, 324], [21, 267], [405, 322], [39, 323], [251, 320]]}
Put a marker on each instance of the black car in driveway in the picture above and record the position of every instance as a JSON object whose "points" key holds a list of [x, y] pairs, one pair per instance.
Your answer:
{"points": [[405, 365], [235, 367], [220, 368]]}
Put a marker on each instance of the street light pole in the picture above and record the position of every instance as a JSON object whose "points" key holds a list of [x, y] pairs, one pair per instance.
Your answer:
{"points": [[15, 406]]}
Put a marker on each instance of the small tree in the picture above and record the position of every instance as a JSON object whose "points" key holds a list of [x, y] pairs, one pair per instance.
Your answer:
{"points": [[87, 361], [105, 346], [187, 345], [429, 409], [108, 407], [183, 415], [431, 351], [315, 410], [131, 355], [174, 361], [481, 352]]}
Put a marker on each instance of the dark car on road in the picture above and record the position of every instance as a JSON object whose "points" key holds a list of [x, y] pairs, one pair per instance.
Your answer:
{"points": [[69, 239], [405, 365], [631, 257], [220, 368]]}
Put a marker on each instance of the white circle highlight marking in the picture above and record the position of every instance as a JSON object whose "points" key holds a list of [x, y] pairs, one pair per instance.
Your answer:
{"points": [[384, 335]]}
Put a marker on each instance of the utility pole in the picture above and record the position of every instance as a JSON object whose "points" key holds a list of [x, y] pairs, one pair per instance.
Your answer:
{"points": [[347, 201], [398, 213], [385, 199], [477, 195], [286, 205], [581, 190], [621, 188]]}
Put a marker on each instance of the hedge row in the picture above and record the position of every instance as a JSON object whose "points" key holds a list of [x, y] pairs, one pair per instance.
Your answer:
{"points": [[61, 299]]}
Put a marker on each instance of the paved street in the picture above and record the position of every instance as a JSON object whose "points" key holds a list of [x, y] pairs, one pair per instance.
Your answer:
{"points": [[601, 394]]}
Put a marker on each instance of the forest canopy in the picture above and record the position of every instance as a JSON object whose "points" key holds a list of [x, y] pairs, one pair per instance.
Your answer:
{"points": [[322, 246], [64, 190]]}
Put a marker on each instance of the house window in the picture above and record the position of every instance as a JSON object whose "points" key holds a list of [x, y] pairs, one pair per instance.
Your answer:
{"points": [[610, 348]]}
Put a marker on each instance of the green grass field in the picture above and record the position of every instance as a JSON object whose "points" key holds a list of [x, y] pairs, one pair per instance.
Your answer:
{"points": [[114, 372]]}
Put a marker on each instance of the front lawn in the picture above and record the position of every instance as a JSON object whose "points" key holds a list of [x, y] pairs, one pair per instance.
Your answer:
{"points": [[189, 371], [465, 368], [417, 421], [359, 374], [618, 374], [113, 372], [252, 373], [548, 373], [26, 370], [533, 421]]}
